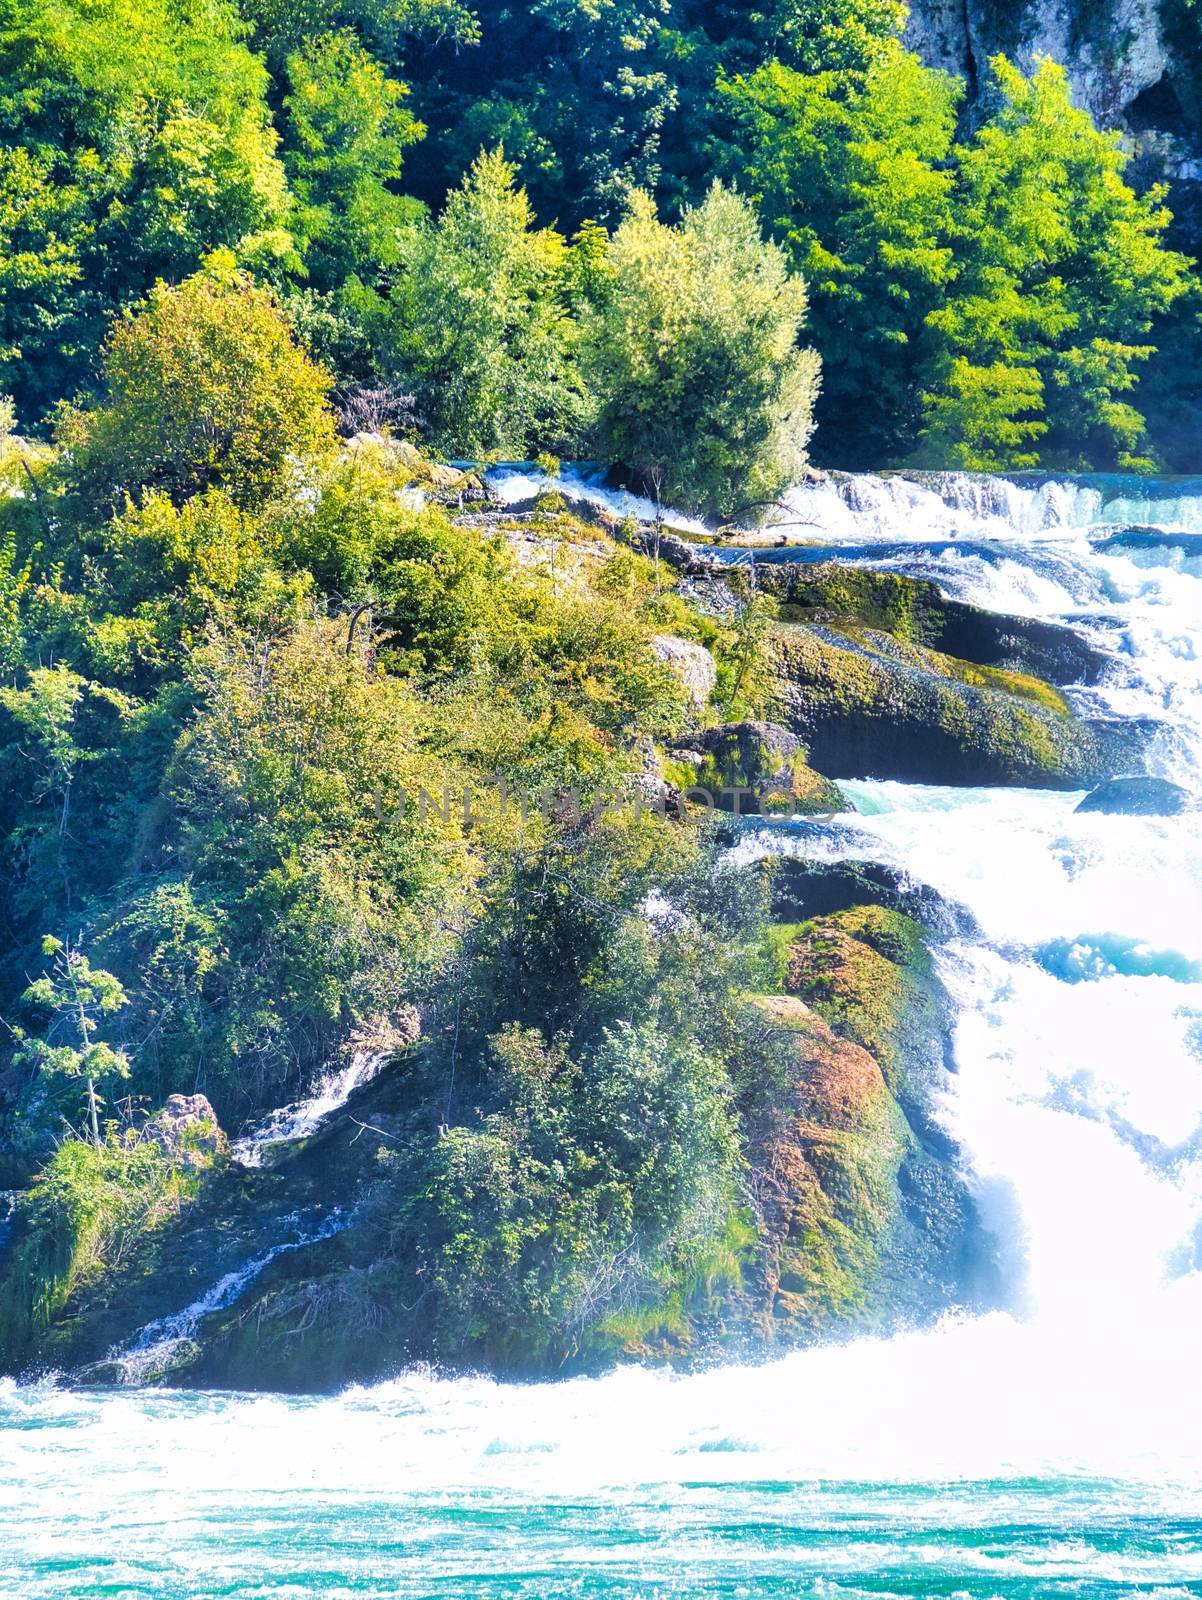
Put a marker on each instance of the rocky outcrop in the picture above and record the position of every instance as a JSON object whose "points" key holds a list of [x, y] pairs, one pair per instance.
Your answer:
{"points": [[754, 769], [869, 705], [1114, 53], [1131, 63], [826, 1180], [803, 889], [1139, 797], [864, 1218], [692, 663], [860, 1217], [917, 612], [187, 1132], [407, 462]]}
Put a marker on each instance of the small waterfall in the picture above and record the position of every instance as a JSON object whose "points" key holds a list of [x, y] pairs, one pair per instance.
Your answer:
{"points": [[152, 1350], [287, 1124], [865, 508], [10, 1199], [902, 507], [839, 507], [583, 483]]}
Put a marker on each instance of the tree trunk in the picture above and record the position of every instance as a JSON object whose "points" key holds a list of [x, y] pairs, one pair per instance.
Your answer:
{"points": [[92, 1112]]}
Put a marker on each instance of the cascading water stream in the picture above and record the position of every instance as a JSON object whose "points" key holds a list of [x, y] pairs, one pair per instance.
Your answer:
{"points": [[289, 1123], [151, 1352], [1051, 1447]]}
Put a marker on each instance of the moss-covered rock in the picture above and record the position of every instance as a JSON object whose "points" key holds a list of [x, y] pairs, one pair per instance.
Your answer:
{"points": [[864, 1216], [754, 768], [868, 972], [915, 611], [186, 1133], [827, 1180], [691, 662], [854, 1216], [867, 704]]}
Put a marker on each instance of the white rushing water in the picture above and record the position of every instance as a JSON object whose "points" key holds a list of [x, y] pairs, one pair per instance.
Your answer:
{"points": [[868, 508], [287, 1124], [1077, 1099], [151, 1352]]}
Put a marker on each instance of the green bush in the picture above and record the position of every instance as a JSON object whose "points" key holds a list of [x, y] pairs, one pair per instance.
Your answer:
{"points": [[705, 399], [90, 1211]]}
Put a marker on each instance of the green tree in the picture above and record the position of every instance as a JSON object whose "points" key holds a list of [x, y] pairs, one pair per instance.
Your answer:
{"points": [[14, 589], [706, 399], [136, 139], [589, 1190], [579, 94], [45, 712], [480, 330], [849, 171], [205, 386], [41, 233], [843, 36], [78, 997], [1061, 268], [281, 27], [346, 130], [292, 826]]}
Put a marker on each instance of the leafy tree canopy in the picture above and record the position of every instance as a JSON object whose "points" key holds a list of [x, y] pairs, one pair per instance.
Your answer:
{"points": [[707, 399]]}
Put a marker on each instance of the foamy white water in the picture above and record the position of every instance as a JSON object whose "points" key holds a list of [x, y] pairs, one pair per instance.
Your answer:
{"points": [[287, 1124]]}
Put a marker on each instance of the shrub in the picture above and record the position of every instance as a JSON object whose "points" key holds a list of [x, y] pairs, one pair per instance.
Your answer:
{"points": [[205, 387], [706, 400]]}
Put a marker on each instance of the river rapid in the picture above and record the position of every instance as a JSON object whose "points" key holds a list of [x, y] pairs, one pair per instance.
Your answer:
{"points": [[1053, 1447]]}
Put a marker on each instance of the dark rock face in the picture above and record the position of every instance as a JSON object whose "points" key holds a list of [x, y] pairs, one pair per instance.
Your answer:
{"points": [[1117, 56], [1139, 797], [805, 889], [870, 706], [1024, 644]]}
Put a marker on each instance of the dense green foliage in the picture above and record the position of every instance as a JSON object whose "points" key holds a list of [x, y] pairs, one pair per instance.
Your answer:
{"points": [[694, 345], [407, 178], [267, 669], [93, 1208]]}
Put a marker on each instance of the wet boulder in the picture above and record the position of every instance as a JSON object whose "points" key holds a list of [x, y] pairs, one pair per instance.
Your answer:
{"points": [[868, 704], [1049, 650], [1136, 540], [803, 889], [1139, 797]]}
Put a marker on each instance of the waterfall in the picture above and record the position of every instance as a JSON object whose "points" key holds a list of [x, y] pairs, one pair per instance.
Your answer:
{"points": [[151, 1351], [1052, 1447], [1077, 1099], [287, 1124]]}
